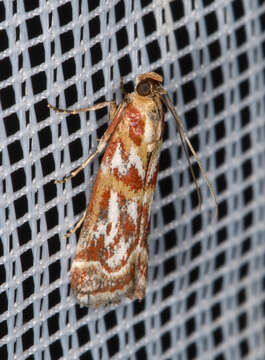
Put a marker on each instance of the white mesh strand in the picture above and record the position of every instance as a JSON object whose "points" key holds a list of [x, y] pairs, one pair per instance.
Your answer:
{"points": [[205, 296]]}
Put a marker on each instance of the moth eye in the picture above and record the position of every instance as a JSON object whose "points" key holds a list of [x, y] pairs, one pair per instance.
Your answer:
{"points": [[144, 88]]}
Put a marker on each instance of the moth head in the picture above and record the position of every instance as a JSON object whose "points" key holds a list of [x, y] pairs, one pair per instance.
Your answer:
{"points": [[148, 84]]}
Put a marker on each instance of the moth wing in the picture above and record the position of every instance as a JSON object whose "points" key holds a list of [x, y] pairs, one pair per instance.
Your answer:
{"points": [[112, 252]]}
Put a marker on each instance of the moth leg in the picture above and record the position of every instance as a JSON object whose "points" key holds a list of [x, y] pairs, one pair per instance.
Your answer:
{"points": [[76, 171], [77, 225], [113, 107], [88, 108], [112, 110], [103, 141]]}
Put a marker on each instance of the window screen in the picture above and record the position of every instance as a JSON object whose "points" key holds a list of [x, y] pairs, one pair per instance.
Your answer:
{"points": [[205, 297]]}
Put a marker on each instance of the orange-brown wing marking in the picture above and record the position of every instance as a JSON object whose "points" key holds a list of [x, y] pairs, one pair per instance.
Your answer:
{"points": [[137, 124]]}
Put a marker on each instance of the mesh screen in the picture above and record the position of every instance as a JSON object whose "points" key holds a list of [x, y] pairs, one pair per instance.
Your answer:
{"points": [[205, 296]]}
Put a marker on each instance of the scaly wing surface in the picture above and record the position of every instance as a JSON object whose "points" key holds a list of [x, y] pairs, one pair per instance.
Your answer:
{"points": [[112, 252]]}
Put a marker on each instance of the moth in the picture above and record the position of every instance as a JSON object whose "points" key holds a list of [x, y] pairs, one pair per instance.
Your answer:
{"points": [[111, 260]]}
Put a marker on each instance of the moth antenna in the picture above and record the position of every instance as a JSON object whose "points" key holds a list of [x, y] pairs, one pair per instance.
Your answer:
{"points": [[182, 132], [191, 168]]}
